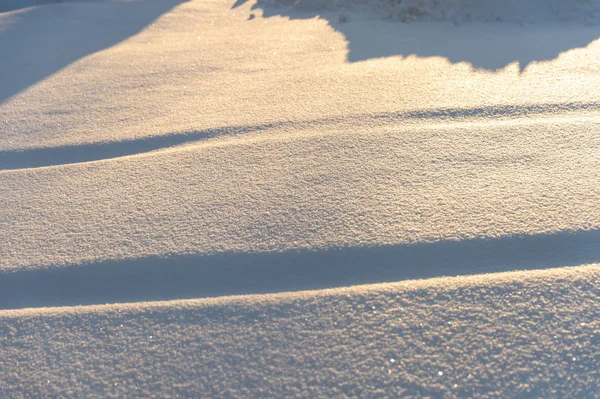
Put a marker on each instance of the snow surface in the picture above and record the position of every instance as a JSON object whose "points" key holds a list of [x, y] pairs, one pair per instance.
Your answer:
{"points": [[526, 334], [10, 5], [461, 11], [168, 150]]}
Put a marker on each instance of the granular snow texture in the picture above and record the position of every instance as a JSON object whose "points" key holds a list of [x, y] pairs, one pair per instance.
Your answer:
{"points": [[517, 335], [153, 152]]}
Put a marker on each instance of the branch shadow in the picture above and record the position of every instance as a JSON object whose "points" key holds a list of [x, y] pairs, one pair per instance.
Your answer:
{"points": [[486, 46], [195, 276], [39, 41]]}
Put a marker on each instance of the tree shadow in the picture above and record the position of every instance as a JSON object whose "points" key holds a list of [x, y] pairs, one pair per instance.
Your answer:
{"points": [[487, 46], [12, 5], [195, 276], [37, 42]]}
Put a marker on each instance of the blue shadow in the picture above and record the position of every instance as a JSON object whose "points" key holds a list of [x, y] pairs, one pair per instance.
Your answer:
{"points": [[42, 40], [197, 276], [489, 46]]}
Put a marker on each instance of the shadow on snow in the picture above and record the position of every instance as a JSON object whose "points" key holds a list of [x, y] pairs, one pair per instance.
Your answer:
{"points": [[488, 46], [40, 41], [196, 276]]}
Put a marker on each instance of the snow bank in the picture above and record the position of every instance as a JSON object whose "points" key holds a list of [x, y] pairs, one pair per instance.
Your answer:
{"points": [[459, 11], [516, 335]]}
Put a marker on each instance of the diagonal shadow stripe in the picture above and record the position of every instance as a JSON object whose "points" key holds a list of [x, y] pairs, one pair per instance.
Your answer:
{"points": [[196, 276], [62, 34], [51, 156]]}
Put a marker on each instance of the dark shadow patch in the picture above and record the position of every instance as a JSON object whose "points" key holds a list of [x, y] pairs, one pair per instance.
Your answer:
{"points": [[489, 46], [197, 276], [45, 39]]}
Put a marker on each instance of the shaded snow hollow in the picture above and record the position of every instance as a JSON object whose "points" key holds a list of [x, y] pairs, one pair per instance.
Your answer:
{"points": [[460, 11]]}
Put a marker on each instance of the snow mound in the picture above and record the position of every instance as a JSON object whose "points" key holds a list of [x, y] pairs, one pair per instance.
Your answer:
{"points": [[460, 11]]}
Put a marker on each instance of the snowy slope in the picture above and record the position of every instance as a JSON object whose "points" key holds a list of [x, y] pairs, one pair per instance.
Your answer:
{"points": [[308, 188], [10, 5], [130, 75], [518, 335], [169, 150]]}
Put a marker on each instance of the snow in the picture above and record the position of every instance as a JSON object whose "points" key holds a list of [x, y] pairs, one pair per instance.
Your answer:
{"points": [[315, 187], [525, 334], [194, 202], [11, 5], [461, 11]]}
